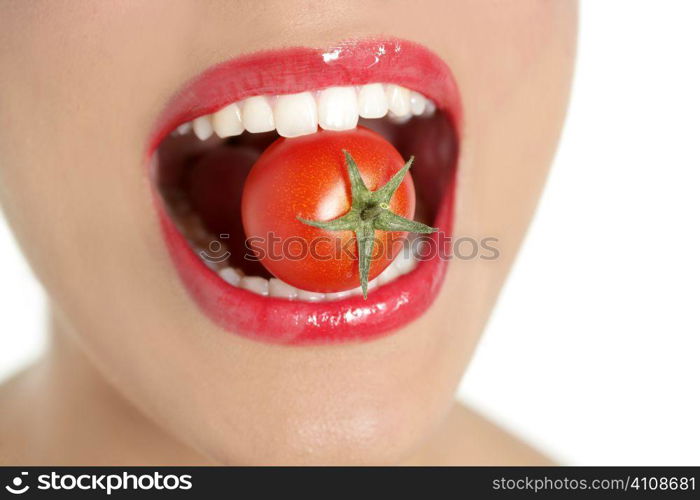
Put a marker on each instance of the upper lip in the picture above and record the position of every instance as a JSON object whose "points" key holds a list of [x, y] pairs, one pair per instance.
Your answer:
{"points": [[298, 69], [289, 71]]}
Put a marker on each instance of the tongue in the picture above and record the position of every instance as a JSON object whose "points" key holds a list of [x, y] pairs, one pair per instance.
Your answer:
{"points": [[214, 185]]}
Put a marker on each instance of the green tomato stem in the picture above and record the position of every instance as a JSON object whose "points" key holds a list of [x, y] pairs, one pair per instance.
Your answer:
{"points": [[370, 212]]}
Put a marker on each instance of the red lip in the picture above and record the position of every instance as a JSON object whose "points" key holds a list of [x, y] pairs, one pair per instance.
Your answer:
{"points": [[294, 70]]}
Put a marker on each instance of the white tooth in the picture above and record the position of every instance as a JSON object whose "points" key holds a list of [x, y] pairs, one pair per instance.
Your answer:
{"points": [[211, 264], [230, 275], [398, 119], [429, 108], [337, 108], [399, 100], [296, 115], [227, 121], [417, 103], [257, 115], [310, 296], [371, 101], [338, 295], [255, 284], [405, 262], [184, 128], [388, 275], [202, 127], [279, 288]]}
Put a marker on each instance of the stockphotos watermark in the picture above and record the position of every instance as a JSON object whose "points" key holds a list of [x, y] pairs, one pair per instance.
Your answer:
{"points": [[105, 483], [325, 248]]}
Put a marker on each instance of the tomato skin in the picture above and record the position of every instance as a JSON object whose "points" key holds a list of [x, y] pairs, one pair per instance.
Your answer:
{"points": [[307, 177]]}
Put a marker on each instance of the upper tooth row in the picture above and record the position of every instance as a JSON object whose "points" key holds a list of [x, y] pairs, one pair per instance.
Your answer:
{"points": [[334, 108]]}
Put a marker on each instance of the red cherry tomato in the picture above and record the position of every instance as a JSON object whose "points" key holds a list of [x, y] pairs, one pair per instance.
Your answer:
{"points": [[307, 177]]}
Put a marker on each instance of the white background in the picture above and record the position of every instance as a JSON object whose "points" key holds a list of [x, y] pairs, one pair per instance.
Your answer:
{"points": [[593, 350]]}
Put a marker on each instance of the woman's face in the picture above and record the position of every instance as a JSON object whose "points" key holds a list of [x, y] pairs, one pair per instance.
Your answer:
{"points": [[84, 87]]}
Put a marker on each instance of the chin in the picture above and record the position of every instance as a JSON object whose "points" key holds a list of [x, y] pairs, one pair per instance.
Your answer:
{"points": [[332, 425]]}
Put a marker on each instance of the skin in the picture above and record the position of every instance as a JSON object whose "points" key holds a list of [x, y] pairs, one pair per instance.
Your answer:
{"points": [[135, 374]]}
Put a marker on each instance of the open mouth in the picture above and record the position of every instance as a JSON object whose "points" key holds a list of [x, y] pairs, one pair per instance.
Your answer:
{"points": [[217, 127]]}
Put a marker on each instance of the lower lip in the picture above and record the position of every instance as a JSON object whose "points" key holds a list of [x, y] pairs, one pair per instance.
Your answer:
{"points": [[281, 321]]}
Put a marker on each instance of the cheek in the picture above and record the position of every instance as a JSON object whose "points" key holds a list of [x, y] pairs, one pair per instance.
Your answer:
{"points": [[515, 104], [71, 181]]}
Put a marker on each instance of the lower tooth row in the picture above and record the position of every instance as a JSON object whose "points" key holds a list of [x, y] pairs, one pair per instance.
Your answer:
{"points": [[403, 264], [292, 115], [199, 238]]}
